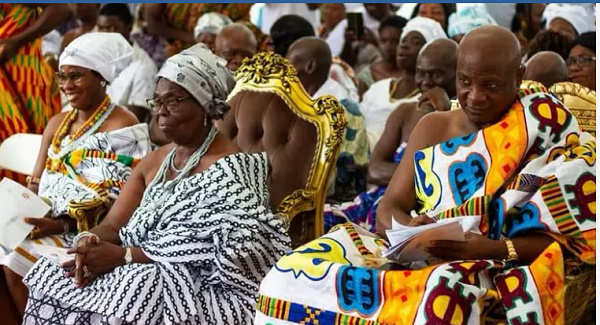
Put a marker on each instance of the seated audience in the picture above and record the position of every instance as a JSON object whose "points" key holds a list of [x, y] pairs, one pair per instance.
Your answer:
{"points": [[289, 29], [135, 84], [549, 40], [512, 205], [208, 27], [193, 220], [389, 37], [269, 13], [333, 27], [547, 68], [86, 156], [436, 11], [312, 59], [234, 43], [570, 20], [435, 78], [527, 22], [582, 60], [385, 95], [362, 52], [466, 19], [374, 14], [170, 27], [86, 15], [27, 100]]}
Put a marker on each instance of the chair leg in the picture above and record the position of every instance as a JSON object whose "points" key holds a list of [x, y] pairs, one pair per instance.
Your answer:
{"points": [[17, 289], [8, 310]]}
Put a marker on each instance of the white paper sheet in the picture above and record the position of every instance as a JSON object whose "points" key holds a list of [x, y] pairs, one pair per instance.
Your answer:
{"points": [[56, 254], [16, 203], [408, 243]]}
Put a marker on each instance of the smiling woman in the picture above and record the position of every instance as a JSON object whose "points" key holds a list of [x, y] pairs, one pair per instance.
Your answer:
{"points": [[194, 219], [87, 154]]}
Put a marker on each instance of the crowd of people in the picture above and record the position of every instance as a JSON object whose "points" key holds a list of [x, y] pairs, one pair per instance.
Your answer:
{"points": [[168, 222]]}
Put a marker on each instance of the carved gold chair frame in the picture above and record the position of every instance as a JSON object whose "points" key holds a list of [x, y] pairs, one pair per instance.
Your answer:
{"points": [[581, 101], [269, 72]]}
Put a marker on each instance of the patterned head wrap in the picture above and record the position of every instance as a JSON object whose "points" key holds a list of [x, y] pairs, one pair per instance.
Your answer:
{"points": [[467, 19], [211, 22], [581, 19], [204, 75], [429, 28], [106, 53]]}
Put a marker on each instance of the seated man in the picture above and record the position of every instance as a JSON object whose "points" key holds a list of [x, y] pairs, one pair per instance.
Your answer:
{"points": [[546, 68], [290, 28], [135, 84], [523, 176], [435, 78], [234, 43], [312, 59], [385, 95]]}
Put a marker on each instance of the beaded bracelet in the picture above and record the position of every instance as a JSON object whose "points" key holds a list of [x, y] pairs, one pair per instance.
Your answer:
{"points": [[82, 235]]}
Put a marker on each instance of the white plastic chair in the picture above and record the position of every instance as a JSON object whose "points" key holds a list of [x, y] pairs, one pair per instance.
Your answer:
{"points": [[19, 152]]}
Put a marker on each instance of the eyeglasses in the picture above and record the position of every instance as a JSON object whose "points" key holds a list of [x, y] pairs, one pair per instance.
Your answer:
{"points": [[171, 104], [74, 76], [582, 61]]}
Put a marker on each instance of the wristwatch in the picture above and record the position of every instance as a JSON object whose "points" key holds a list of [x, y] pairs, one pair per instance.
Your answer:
{"points": [[512, 252], [128, 256]]}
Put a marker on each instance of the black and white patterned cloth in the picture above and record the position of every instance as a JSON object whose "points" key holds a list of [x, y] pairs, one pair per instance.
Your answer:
{"points": [[212, 238]]}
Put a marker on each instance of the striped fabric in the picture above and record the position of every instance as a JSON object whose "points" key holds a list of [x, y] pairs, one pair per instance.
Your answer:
{"points": [[28, 95]]}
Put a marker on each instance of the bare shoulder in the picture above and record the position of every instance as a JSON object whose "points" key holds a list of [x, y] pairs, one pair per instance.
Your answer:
{"points": [[120, 118], [153, 160], [433, 128], [54, 123]]}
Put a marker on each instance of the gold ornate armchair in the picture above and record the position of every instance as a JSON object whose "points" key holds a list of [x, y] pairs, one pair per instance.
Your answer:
{"points": [[272, 112], [581, 101]]}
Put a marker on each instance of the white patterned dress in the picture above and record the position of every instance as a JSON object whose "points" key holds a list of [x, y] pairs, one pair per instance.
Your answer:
{"points": [[212, 239], [122, 148]]}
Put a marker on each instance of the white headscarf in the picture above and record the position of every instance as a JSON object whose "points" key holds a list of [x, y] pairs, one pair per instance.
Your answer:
{"points": [[204, 75], [468, 18], [429, 28], [106, 53], [211, 23], [581, 19]]}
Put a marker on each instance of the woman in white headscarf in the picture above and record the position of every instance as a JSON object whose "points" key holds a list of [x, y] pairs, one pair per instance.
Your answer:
{"points": [[387, 94], [208, 27], [570, 20], [87, 154], [190, 238], [467, 18]]}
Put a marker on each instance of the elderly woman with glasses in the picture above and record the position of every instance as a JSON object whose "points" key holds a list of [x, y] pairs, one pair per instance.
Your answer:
{"points": [[86, 156], [582, 60], [191, 236]]}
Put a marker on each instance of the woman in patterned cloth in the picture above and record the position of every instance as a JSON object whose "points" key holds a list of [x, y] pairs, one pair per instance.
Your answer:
{"points": [[191, 236], [87, 154]]}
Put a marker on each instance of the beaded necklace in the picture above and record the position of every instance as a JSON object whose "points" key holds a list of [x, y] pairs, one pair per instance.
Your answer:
{"points": [[192, 162], [89, 127]]}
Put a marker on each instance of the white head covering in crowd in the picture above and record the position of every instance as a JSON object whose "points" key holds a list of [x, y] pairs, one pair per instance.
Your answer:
{"points": [[211, 23], [468, 18], [429, 28], [204, 75], [581, 19], [106, 53]]}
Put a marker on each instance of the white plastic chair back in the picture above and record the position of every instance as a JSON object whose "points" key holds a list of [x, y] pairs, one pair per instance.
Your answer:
{"points": [[19, 152]]}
